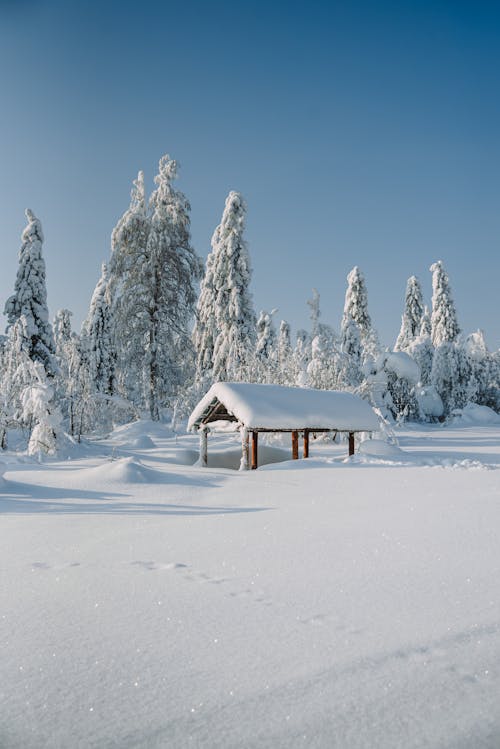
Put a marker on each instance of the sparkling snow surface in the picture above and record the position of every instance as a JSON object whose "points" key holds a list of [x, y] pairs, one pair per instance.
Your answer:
{"points": [[279, 407], [323, 603]]}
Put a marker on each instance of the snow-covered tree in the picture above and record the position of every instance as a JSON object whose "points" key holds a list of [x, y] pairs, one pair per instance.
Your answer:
{"points": [[350, 346], [451, 375], [425, 323], [39, 407], [266, 345], [411, 320], [285, 355], [17, 375], [356, 310], [97, 331], [171, 274], [128, 291], [480, 363], [30, 298], [444, 322], [205, 328], [314, 305], [62, 330], [235, 318], [153, 275], [302, 355]]}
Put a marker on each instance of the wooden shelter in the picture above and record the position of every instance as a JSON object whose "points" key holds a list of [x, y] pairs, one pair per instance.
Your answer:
{"points": [[254, 409]]}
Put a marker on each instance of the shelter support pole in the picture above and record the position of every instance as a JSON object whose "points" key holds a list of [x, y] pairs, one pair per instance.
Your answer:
{"points": [[204, 446], [255, 444], [245, 450], [351, 443], [306, 443], [295, 445]]}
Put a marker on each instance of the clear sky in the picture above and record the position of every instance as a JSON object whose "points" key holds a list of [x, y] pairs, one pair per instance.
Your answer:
{"points": [[360, 133]]}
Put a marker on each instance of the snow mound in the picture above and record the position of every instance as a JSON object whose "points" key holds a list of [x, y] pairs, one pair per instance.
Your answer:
{"points": [[380, 449], [143, 442], [184, 457], [3, 468], [126, 471], [136, 430], [473, 414], [430, 401]]}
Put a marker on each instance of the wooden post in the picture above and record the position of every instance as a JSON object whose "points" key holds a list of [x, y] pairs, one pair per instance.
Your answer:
{"points": [[204, 446], [245, 463], [255, 444], [295, 445], [351, 443], [306, 443]]}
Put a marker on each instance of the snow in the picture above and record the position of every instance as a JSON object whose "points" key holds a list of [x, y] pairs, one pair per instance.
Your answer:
{"points": [[474, 414], [279, 407], [403, 366], [328, 602]]}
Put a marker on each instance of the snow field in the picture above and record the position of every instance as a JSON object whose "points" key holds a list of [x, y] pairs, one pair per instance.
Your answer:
{"points": [[319, 603]]}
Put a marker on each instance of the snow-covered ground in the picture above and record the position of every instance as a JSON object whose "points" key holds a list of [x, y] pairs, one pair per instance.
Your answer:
{"points": [[320, 603]]}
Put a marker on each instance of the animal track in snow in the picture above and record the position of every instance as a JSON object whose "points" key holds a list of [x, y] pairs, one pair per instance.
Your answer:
{"points": [[197, 576]]}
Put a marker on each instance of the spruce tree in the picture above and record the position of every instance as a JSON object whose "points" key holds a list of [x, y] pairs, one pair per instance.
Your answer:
{"points": [[444, 322], [97, 331], [154, 271], [128, 293], [30, 298], [205, 328], [356, 311], [285, 355], [411, 320], [234, 315]]}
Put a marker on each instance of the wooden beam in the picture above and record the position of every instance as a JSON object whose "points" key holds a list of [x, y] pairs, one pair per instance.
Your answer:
{"points": [[306, 443], [255, 448], [351, 443], [295, 445]]}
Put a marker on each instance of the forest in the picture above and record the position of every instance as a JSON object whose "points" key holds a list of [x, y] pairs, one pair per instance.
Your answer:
{"points": [[162, 327]]}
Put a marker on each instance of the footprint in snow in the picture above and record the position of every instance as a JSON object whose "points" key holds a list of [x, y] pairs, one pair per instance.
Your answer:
{"points": [[150, 565], [47, 566]]}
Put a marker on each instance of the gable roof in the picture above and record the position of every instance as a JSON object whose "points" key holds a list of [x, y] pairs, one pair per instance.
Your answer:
{"points": [[280, 407]]}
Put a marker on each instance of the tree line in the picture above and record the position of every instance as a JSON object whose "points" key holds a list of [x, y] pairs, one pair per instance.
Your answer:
{"points": [[162, 327]]}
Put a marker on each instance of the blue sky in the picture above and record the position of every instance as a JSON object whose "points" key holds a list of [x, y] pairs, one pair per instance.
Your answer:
{"points": [[360, 133]]}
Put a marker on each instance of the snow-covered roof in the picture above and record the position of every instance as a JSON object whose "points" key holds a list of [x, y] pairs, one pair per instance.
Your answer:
{"points": [[279, 407]]}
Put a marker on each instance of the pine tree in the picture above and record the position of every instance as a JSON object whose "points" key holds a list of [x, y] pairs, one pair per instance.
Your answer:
{"points": [[205, 329], [315, 313], [17, 375], [444, 317], [30, 298], [302, 355], [39, 407], [97, 331], [411, 320], [356, 310], [350, 346], [285, 355], [234, 315], [172, 270], [128, 292], [154, 270], [425, 323], [450, 374], [480, 363]]}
